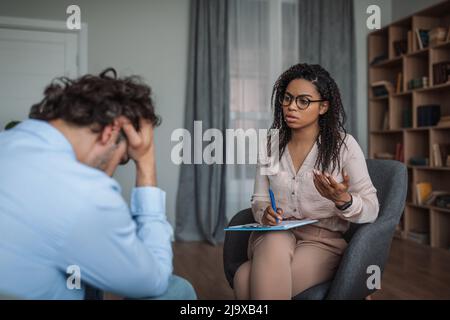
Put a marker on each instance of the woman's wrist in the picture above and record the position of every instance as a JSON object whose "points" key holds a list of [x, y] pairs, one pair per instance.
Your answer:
{"points": [[345, 198]]}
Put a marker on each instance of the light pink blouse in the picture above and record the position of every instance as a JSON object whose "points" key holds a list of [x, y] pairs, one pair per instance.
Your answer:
{"points": [[297, 195]]}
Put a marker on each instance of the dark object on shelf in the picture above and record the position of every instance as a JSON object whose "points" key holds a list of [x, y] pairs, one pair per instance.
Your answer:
{"points": [[437, 36], [418, 83], [443, 202], [379, 91], [441, 72], [418, 161], [379, 59], [419, 237], [382, 88], [428, 115], [423, 38], [400, 47], [407, 118]]}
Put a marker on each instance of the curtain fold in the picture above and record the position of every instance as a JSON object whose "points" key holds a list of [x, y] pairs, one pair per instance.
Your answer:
{"points": [[201, 198], [326, 37]]}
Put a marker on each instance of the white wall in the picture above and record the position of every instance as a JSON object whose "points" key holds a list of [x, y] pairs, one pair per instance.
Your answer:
{"points": [[361, 31], [145, 37]]}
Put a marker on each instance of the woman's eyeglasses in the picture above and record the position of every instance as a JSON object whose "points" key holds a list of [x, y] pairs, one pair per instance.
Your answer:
{"points": [[301, 101]]}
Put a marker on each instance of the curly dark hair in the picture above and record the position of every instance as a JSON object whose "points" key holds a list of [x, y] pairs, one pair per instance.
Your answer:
{"points": [[331, 123], [95, 101]]}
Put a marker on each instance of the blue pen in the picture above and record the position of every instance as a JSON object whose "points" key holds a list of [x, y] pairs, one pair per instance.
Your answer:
{"points": [[272, 202]]}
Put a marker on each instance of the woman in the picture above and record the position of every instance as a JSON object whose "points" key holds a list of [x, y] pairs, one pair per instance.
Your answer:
{"points": [[323, 175]]}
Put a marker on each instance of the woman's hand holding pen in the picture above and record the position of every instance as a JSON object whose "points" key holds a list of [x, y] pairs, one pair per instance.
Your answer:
{"points": [[270, 216], [330, 189]]}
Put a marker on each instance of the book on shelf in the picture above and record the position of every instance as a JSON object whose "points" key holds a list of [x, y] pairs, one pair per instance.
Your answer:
{"points": [[407, 117], [399, 82], [400, 47], [437, 159], [428, 115], [417, 83], [434, 195], [382, 88], [441, 72], [422, 38], [444, 121], [441, 151], [385, 123], [399, 154], [410, 41], [448, 35], [423, 191]]}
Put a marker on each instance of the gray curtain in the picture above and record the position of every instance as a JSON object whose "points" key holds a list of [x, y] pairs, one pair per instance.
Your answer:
{"points": [[200, 210], [327, 37]]}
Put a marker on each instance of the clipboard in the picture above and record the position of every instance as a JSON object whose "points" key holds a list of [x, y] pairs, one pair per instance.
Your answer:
{"points": [[283, 225]]}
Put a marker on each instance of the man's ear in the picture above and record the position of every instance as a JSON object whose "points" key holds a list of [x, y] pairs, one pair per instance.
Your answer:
{"points": [[109, 133], [323, 108]]}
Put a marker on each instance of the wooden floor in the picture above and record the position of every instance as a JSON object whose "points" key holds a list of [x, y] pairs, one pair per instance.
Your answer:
{"points": [[413, 271]]}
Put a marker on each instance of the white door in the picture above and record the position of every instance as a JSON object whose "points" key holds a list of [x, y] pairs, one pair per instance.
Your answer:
{"points": [[29, 60]]}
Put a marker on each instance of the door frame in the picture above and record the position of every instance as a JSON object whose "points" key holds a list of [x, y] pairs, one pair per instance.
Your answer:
{"points": [[16, 23]]}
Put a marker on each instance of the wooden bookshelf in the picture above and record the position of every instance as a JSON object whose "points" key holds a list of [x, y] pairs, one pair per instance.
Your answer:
{"points": [[393, 118]]}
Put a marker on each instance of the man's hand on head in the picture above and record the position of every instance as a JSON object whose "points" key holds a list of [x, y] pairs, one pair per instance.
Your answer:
{"points": [[141, 150]]}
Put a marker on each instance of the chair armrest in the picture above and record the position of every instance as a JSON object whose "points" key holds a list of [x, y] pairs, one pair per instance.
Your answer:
{"points": [[369, 245], [235, 245], [366, 248]]}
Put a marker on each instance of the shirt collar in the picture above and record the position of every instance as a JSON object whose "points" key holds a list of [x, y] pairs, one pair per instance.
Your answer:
{"points": [[47, 133]]}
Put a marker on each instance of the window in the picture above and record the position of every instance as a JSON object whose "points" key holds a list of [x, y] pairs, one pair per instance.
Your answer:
{"points": [[263, 42]]}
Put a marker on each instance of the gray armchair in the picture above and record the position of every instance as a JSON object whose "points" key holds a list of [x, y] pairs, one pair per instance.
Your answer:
{"points": [[369, 244]]}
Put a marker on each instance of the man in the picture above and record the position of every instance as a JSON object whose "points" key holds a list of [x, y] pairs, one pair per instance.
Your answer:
{"points": [[62, 216]]}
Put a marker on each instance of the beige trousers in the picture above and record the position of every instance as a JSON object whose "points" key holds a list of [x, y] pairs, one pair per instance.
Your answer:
{"points": [[282, 264]]}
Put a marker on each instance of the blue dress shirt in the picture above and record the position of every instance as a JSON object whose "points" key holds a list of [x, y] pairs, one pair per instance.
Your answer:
{"points": [[59, 215]]}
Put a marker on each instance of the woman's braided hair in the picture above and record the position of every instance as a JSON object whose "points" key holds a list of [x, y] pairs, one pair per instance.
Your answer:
{"points": [[331, 124]]}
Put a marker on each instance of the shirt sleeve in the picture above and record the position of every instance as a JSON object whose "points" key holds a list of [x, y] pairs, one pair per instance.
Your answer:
{"points": [[260, 198], [127, 253], [365, 207]]}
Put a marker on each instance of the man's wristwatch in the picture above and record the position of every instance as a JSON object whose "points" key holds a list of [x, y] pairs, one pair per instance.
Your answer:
{"points": [[346, 205]]}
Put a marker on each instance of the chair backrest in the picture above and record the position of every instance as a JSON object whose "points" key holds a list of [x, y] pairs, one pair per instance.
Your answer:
{"points": [[369, 244], [388, 177]]}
